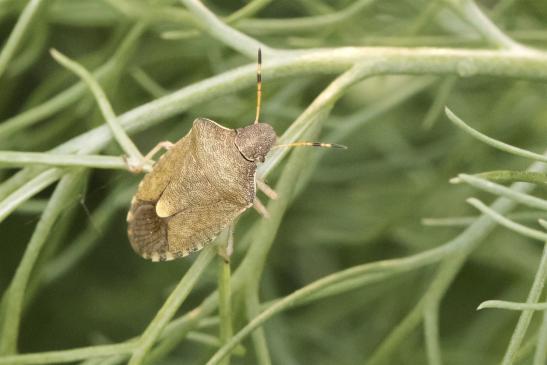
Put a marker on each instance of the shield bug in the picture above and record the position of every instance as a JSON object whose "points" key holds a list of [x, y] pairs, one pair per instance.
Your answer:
{"points": [[201, 185]]}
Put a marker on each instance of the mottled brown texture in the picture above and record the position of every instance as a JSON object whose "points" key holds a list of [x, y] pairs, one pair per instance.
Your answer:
{"points": [[246, 141], [196, 189]]}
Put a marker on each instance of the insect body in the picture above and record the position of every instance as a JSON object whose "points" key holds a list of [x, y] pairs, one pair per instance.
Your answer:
{"points": [[198, 187]]}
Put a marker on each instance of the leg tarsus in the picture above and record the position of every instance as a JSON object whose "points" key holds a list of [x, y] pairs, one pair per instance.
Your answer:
{"points": [[162, 145], [262, 186], [137, 167], [261, 209]]}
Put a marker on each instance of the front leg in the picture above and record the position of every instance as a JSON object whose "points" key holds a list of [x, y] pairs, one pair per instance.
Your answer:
{"points": [[138, 166], [163, 144]]}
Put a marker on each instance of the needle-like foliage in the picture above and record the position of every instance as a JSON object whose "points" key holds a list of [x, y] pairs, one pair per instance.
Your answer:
{"points": [[370, 255]]}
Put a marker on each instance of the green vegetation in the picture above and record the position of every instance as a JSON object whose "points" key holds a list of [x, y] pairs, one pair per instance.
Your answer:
{"points": [[379, 254]]}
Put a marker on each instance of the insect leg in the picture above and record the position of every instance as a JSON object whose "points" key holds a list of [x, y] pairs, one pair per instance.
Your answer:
{"points": [[226, 249], [262, 186], [145, 163], [230, 244], [164, 144], [260, 208]]}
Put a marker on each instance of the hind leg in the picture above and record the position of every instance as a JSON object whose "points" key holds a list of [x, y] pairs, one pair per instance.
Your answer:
{"points": [[225, 250], [260, 208]]}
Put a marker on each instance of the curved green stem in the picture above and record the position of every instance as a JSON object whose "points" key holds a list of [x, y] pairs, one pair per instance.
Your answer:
{"points": [[491, 141], [170, 306], [513, 306], [526, 315], [519, 228], [501, 190], [226, 34], [510, 176], [20, 159], [121, 137], [16, 37], [9, 330]]}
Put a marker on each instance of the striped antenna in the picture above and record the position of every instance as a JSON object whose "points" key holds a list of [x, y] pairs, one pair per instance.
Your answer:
{"points": [[258, 85], [311, 144]]}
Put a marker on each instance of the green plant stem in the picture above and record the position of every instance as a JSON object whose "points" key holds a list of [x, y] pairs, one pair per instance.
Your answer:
{"points": [[398, 334], [30, 54], [319, 108], [469, 10], [233, 38], [431, 331], [64, 356], [147, 83], [225, 292], [247, 10], [519, 228], [491, 141], [20, 159], [252, 305], [526, 315], [311, 119], [211, 341], [19, 31], [465, 221], [73, 93], [439, 102], [177, 330], [135, 156], [34, 206], [28, 190], [514, 306], [363, 274], [9, 331], [383, 61], [152, 13], [392, 267], [465, 242], [170, 306], [250, 9], [510, 176], [526, 349], [303, 24], [501, 190], [540, 356]]}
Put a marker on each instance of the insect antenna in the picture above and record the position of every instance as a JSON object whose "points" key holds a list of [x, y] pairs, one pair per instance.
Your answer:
{"points": [[258, 85], [311, 144]]}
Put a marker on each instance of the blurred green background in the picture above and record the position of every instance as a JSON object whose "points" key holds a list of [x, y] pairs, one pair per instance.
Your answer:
{"points": [[361, 205]]}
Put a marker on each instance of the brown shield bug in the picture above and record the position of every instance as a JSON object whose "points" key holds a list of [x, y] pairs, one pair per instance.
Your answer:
{"points": [[200, 186]]}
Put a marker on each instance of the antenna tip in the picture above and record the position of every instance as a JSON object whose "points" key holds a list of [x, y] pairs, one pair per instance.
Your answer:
{"points": [[259, 55]]}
